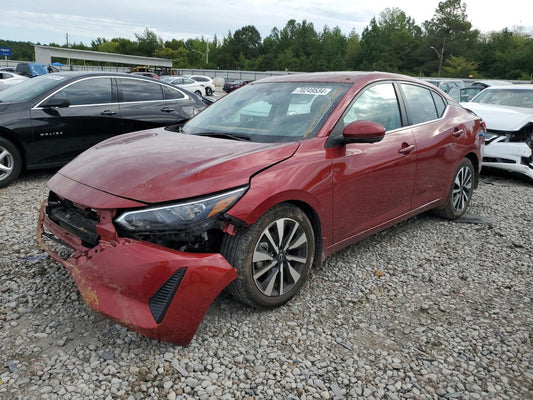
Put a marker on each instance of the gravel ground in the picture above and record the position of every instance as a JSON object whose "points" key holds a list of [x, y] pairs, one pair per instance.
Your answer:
{"points": [[428, 309]]}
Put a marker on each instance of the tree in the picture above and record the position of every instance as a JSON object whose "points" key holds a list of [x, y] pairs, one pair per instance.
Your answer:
{"points": [[22, 51], [332, 50], [460, 67], [449, 32], [97, 42], [296, 47], [246, 41], [387, 44], [352, 57], [148, 43], [507, 54]]}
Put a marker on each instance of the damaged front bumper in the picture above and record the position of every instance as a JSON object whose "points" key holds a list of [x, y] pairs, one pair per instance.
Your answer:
{"points": [[156, 291], [510, 156]]}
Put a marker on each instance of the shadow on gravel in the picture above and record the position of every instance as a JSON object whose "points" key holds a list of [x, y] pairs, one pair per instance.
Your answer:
{"points": [[492, 176], [473, 219]]}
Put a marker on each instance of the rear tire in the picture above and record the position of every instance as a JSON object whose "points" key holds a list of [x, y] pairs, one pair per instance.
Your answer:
{"points": [[10, 162], [272, 257], [460, 192], [208, 91]]}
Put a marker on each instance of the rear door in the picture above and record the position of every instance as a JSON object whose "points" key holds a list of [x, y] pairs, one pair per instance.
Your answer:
{"points": [[145, 104], [439, 142], [85, 112]]}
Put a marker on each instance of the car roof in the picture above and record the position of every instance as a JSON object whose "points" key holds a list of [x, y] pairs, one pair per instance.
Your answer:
{"points": [[521, 86], [202, 76], [439, 79], [339, 77], [72, 75], [489, 82]]}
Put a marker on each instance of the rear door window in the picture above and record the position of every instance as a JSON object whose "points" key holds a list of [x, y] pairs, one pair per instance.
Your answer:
{"points": [[139, 90], [171, 93], [420, 105]]}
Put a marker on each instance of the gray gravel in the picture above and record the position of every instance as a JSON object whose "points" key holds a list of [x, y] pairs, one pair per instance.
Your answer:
{"points": [[429, 309]]}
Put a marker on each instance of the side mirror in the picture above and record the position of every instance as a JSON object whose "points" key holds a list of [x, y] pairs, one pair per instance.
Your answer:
{"points": [[56, 103], [363, 132]]}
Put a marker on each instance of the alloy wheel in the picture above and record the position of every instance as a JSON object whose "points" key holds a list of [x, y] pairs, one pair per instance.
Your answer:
{"points": [[7, 163], [462, 189], [280, 257]]}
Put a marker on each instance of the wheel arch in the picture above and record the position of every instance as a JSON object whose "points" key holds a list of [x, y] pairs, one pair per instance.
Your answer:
{"points": [[475, 162], [250, 216], [317, 227]]}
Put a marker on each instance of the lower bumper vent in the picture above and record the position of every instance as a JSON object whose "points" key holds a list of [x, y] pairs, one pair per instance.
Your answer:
{"points": [[161, 299]]}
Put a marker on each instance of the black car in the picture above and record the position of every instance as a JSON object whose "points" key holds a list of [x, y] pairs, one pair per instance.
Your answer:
{"points": [[230, 86], [48, 120]]}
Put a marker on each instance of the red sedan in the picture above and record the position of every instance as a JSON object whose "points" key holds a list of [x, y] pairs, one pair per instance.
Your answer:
{"points": [[254, 191]]}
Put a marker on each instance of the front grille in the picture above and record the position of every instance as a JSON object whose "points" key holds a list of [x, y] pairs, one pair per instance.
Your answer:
{"points": [[161, 299], [80, 222]]}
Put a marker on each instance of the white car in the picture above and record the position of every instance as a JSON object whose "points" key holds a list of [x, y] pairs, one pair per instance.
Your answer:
{"points": [[508, 113], [186, 83], [8, 79], [207, 81]]}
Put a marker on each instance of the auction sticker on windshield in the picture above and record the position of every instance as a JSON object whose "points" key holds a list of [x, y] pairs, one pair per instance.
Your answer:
{"points": [[312, 90]]}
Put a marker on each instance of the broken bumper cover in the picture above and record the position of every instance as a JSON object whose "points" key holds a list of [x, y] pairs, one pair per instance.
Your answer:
{"points": [[510, 156], [158, 292]]}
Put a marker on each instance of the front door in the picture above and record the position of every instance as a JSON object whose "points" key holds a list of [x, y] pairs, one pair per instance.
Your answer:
{"points": [[88, 114], [373, 182]]}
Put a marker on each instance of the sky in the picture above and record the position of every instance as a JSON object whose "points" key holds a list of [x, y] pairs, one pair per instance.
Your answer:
{"points": [[47, 22]]}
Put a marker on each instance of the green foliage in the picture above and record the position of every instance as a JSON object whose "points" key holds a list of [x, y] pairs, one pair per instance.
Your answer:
{"points": [[148, 43], [460, 67], [19, 50], [353, 51], [450, 32], [388, 43], [507, 54]]}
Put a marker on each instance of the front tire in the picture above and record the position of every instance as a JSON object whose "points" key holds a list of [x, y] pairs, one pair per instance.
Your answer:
{"points": [[272, 257], [10, 162], [460, 192]]}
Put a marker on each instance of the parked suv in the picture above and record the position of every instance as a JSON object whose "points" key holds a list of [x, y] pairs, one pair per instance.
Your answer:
{"points": [[207, 81], [31, 69]]}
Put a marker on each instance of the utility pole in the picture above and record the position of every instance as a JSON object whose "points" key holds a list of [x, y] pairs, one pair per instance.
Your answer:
{"points": [[440, 54]]}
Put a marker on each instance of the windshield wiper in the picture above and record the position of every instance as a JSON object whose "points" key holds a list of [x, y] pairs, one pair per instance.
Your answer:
{"points": [[232, 136]]}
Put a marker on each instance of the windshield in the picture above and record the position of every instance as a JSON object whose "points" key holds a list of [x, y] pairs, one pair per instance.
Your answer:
{"points": [[506, 97], [29, 88], [270, 112]]}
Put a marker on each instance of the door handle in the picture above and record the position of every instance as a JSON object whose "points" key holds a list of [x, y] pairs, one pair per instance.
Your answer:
{"points": [[167, 109], [406, 148], [458, 132], [108, 112]]}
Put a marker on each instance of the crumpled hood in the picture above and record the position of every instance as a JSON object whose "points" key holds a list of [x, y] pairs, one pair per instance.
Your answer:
{"points": [[501, 118], [157, 165]]}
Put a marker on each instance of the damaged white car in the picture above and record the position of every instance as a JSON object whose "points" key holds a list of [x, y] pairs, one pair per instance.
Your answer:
{"points": [[508, 114]]}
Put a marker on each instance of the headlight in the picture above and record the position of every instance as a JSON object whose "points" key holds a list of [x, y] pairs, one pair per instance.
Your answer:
{"points": [[175, 216]]}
